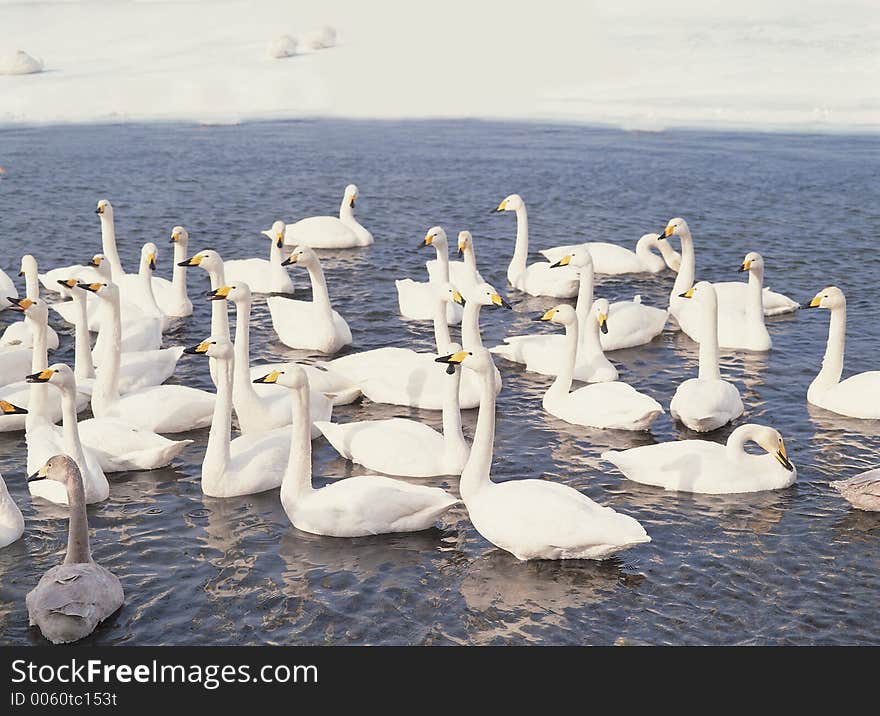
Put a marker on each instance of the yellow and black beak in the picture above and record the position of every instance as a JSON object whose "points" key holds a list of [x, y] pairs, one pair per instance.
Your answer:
{"points": [[44, 376], [41, 474], [782, 457], [192, 261], [21, 273], [667, 232], [99, 210], [352, 200], [152, 258], [501, 207], [19, 305], [746, 265], [427, 241], [220, 294], [174, 237], [564, 261], [813, 303], [270, 377], [687, 294], [10, 409], [461, 247], [67, 283], [200, 349], [290, 260], [458, 298], [452, 360], [93, 287], [94, 261], [279, 240], [548, 316], [497, 300], [603, 323]]}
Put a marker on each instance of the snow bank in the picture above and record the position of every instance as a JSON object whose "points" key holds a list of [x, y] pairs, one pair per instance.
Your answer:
{"points": [[281, 47], [19, 62], [320, 39]]}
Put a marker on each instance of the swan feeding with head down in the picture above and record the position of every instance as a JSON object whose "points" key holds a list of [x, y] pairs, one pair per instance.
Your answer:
{"points": [[615, 260]]}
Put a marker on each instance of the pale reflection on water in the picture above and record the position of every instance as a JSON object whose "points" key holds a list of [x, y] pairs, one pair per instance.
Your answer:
{"points": [[795, 566]]}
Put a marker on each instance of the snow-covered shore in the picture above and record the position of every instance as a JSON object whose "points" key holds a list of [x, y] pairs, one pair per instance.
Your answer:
{"points": [[793, 65]]}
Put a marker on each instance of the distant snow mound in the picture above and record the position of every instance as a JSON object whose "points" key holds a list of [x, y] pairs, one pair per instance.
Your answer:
{"points": [[19, 63], [281, 47], [321, 38]]}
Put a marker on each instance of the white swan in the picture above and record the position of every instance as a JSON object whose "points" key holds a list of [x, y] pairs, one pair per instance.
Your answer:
{"points": [[533, 519], [96, 269], [310, 325], [354, 507], [707, 467], [261, 275], [417, 299], [402, 376], [71, 599], [11, 519], [160, 408], [249, 464], [731, 301], [212, 263], [143, 333], [100, 273], [263, 409], [861, 491], [706, 402], [18, 333], [328, 232], [116, 445], [461, 273], [173, 299], [536, 279], [598, 405], [614, 260], [406, 447], [859, 395], [7, 288]]}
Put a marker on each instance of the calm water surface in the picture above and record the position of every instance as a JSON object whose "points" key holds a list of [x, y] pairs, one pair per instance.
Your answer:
{"points": [[794, 566]]}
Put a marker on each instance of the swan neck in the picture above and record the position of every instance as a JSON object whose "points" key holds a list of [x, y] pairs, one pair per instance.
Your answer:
{"points": [[709, 368], [32, 284], [584, 297], [521, 248], [470, 326], [562, 384], [476, 473], [108, 246], [178, 275], [298, 475], [241, 381], [217, 455], [78, 551], [70, 427], [106, 390], [320, 296], [832, 363], [452, 433], [442, 336], [755, 298], [219, 309], [685, 277], [83, 367], [38, 398]]}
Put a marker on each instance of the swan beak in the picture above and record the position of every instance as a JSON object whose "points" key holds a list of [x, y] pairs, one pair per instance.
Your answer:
{"points": [[746, 265], [667, 232], [194, 261], [21, 273], [351, 202], [152, 258], [10, 409], [99, 210], [564, 261], [94, 261], [501, 207], [814, 303], [603, 323], [279, 240], [41, 474], [290, 260], [428, 240], [19, 305], [452, 360], [783, 458], [220, 294], [270, 377], [68, 283], [548, 316], [498, 301], [174, 237], [201, 348], [687, 294], [44, 376], [93, 287], [458, 298]]}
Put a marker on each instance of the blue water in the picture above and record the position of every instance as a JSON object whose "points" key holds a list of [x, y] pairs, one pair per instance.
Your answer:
{"points": [[793, 566]]}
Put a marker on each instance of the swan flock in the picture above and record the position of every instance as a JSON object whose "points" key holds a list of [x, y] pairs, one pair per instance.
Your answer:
{"points": [[263, 417]]}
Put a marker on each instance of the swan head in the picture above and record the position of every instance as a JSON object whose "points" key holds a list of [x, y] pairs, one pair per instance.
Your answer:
{"points": [[179, 235], [302, 256], [212, 348], [207, 259], [465, 241], [239, 292], [675, 227], [58, 373], [485, 294], [291, 377], [107, 291], [513, 202], [752, 262], [563, 314], [580, 258], [435, 236], [350, 196], [36, 309], [703, 292], [148, 255], [105, 209], [28, 265], [59, 468], [276, 233], [830, 298], [768, 438], [478, 360], [450, 294]]}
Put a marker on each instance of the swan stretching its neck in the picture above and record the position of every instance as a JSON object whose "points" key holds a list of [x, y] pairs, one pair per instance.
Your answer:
{"points": [[210, 261], [179, 301], [108, 240]]}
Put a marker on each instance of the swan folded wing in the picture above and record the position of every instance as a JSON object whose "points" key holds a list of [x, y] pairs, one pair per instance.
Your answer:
{"points": [[558, 252], [674, 466], [705, 399], [320, 232], [540, 280], [857, 396], [611, 404]]}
